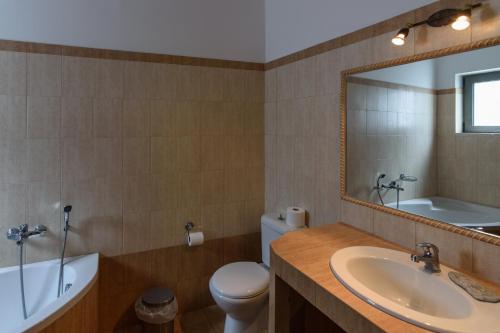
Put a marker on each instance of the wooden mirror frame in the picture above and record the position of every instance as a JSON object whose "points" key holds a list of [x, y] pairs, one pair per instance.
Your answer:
{"points": [[343, 132]]}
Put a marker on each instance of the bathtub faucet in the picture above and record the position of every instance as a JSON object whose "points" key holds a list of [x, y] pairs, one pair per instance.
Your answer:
{"points": [[22, 233]]}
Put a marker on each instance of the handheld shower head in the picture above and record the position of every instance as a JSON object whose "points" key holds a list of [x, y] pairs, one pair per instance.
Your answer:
{"points": [[67, 210]]}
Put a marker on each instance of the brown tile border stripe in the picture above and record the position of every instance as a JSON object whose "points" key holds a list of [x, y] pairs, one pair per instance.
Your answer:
{"points": [[343, 131], [391, 85], [449, 91], [29, 47]]}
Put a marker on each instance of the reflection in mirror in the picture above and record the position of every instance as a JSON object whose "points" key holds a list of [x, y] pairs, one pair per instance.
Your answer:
{"points": [[424, 138]]}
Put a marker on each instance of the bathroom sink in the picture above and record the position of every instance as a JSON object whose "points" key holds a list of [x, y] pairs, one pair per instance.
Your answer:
{"points": [[388, 280]]}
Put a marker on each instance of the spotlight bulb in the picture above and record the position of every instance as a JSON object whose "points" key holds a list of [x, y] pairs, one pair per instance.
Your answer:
{"points": [[461, 23], [400, 37]]}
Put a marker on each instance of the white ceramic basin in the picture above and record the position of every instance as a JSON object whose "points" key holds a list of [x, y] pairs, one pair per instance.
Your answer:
{"points": [[388, 280]]}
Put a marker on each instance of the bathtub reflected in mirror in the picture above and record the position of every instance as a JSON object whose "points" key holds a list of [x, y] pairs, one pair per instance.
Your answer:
{"points": [[424, 138]]}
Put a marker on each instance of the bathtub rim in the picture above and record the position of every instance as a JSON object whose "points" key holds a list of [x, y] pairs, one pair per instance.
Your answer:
{"points": [[36, 324]]}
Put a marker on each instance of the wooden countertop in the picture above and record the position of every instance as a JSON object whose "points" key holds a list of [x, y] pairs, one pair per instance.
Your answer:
{"points": [[301, 259]]}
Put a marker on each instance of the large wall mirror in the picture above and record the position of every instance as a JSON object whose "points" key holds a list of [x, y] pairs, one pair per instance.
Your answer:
{"points": [[424, 138]]}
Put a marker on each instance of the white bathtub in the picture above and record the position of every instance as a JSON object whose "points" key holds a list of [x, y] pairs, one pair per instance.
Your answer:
{"points": [[460, 213], [40, 285]]}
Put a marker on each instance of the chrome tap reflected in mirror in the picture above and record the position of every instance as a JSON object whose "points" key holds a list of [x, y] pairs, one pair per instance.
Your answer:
{"points": [[424, 138]]}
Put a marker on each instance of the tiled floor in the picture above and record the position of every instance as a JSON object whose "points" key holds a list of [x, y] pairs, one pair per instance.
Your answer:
{"points": [[207, 320]]}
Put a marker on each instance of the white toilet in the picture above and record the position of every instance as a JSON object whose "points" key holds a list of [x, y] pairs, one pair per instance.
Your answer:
{"points": [[241, 289]]}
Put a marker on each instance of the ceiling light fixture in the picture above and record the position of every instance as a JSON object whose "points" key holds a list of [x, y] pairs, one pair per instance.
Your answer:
{"points": [[459, 19], [400, 37]]}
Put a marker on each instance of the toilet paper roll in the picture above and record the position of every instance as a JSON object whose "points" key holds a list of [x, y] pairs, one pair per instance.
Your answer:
{"points": [[295, 217], [195, 238]]}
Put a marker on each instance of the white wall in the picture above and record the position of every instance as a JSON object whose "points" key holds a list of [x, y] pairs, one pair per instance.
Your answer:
{"points": [[293, 25], [439, 73], [418, 74], [224, 29]]}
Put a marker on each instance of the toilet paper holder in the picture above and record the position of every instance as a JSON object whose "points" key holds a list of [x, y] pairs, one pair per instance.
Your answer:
{"points": [[189, 226]]}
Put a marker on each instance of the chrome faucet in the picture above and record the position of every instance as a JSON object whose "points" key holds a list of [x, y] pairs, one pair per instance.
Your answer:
{"points": [[20, 234], [430, 257]]}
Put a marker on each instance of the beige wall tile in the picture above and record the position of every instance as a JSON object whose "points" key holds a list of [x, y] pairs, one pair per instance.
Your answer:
{"points": [[108, 157], [13, 161], [286, 76], [188, 83], [454, 249], [109, 196], [44, 117], [212, 152], [212, 84], [236, 84], [136, 156], [162, 228], [163, 118], [13, 115], [78, 160], [137, 79], [106, 232], [212, 121], [44, 75], [13, 203], [12, 73], [485, 21], [304, 84], [188, 118], [189, 154], [234, 218], [109, 80], [189, 190], [234, 185], [212, 221], [107, 118], [233, 118], [485, 260], [136, 118], [79, 76], [212, 187], [136, 232], [163, 155], [327, 73], [394, 229], [358, 216], [136, 194], [270, 83], [44, 160], [77, 116], [164, 192], [164, 81]]}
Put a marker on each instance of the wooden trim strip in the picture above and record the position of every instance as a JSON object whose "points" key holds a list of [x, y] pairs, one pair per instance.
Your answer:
{"points": [[449, 91], [390, 85], [75, 51], [343, 115]]}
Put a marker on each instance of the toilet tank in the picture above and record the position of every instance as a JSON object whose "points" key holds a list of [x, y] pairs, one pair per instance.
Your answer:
{"points": [[271, 228]]}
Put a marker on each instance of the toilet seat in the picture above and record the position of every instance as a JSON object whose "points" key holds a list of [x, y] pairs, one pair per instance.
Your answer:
{"points": [[240, 280]]}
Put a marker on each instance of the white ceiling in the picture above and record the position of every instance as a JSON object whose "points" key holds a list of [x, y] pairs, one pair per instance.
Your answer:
{"points": [[246, 30], [293, 25]]}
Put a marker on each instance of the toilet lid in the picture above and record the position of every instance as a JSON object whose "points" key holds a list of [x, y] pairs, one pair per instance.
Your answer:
{"points": [[242, 279]]}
